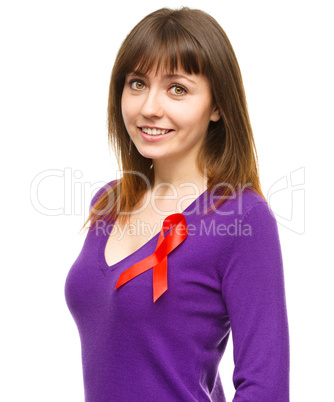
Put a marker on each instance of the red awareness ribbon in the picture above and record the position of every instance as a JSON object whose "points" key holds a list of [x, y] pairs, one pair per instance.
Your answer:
{"points": [[158, 260]]}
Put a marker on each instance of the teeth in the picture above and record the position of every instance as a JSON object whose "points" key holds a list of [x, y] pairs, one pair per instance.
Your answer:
{"points": [[153, 131]]}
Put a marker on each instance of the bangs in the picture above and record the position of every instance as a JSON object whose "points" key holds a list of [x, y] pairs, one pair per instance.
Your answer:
{"points": [[164, 46]]}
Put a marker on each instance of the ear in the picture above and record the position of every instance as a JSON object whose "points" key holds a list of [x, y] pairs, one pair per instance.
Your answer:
{"points": [[215, 115]]}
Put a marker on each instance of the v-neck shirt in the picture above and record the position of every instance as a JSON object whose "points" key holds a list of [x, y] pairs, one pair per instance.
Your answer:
{"points": [[225, 277]]}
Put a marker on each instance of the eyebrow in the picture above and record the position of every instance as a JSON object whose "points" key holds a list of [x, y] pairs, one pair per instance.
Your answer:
{"points": [[168, 76], [178, 76]]}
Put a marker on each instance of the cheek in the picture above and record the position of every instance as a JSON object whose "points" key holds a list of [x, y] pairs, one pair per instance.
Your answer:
{"points": [[193, 115], [128, 109]]}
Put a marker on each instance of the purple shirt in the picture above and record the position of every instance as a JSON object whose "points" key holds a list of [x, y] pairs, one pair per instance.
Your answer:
{"points": [[225, 277]]}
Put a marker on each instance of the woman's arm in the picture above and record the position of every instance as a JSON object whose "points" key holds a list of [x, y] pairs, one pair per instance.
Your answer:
{"points": [[254, 294]]}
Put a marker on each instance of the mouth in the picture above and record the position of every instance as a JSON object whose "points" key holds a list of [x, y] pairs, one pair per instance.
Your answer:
{"points": [[153, 131]]}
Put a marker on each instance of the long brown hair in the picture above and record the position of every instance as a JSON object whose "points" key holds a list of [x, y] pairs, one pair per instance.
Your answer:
{"points": [[194, 41]]}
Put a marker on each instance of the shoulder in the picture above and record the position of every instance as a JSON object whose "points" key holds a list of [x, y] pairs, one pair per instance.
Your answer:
{"points": [[249, 223], [255, 211], [106, 188], [255, 207], [243, 204], [258, 229], [247, 200]]}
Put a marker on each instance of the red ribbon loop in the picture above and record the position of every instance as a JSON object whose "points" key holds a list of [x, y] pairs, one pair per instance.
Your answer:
{"points": [[158, 260]]}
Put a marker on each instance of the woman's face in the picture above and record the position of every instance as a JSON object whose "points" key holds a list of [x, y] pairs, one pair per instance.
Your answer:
{"points": [[167, 116]]}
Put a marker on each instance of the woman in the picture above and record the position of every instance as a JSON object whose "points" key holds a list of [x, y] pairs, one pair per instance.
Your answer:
{"points": [[178, 122]]}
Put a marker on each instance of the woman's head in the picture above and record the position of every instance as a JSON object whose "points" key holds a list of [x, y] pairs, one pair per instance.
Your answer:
{"points": [[168, 41]]}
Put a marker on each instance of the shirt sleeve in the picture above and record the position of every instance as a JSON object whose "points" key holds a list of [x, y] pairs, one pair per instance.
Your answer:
{"points": [[254, 295]]}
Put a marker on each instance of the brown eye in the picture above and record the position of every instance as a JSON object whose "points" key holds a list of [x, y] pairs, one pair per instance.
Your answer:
{"points": [[136, 85], [178, 90]]}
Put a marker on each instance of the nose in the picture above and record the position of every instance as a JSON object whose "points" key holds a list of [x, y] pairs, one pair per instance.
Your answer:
{"points": [[152, 106]]}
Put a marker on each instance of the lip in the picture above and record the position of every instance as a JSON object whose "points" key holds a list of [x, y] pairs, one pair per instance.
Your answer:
{"points": [[154, 138], [157, 128]]}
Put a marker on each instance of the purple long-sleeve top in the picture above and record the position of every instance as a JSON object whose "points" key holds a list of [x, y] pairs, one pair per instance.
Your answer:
{"points": [[225, 277]]}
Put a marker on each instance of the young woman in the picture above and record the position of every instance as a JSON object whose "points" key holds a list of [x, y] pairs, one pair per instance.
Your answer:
{"points": [[165, 275]]}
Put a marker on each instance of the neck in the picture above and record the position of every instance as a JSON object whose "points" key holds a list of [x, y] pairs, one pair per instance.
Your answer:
{"points": [[181, 175]]}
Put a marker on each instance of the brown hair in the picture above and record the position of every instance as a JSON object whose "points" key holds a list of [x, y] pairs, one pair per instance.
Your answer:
{"points": [[192, 40]]}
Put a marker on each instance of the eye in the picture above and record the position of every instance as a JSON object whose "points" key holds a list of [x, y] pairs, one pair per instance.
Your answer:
{"points": [[178, 90], [135, 84]]}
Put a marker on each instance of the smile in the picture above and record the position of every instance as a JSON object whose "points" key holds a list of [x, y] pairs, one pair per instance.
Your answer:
{"points": [[154, 131]]}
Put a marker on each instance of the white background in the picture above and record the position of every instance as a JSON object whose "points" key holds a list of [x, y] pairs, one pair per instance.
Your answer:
{"points": [[55, 70]]}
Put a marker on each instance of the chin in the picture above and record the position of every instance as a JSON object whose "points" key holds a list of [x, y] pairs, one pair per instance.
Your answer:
{"points": [[151, 154]]}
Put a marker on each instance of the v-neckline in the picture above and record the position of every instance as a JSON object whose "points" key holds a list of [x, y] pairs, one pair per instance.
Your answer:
{"points": [[104, 240]]}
